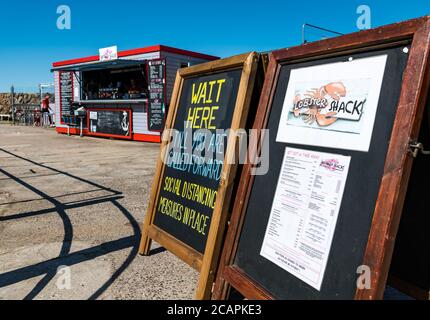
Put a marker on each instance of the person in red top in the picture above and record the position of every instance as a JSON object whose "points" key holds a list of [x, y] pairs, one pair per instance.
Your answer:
{"points": [[46, 108]]}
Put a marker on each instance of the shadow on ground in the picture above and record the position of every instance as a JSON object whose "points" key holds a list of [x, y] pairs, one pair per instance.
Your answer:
{"points": [[48, 269]]}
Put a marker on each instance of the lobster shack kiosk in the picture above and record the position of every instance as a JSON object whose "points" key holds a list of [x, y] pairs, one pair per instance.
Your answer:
{"points": [[119, 94]]}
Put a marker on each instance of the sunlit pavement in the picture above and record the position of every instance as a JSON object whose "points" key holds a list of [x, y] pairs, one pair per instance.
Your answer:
{"points": [[70, 215]]}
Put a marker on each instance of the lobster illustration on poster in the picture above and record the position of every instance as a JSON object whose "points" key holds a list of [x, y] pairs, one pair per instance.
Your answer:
{"points": [[333, 105], [322, 106]]}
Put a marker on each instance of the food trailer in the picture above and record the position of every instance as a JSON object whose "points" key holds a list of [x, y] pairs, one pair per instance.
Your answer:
{"points": [[119, 94]]}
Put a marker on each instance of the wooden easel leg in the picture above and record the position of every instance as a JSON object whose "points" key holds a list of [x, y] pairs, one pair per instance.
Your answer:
{"points": [[204, 286], [209, 263], [221, 289], [145, 241], [145, 245]]}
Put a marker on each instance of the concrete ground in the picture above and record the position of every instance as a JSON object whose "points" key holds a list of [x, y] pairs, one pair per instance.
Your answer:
{"points": [[70, 216]]}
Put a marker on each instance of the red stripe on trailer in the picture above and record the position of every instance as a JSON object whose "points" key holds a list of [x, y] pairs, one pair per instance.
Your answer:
{"points": [[131, 52], [72, 130], [136, 136], [147, 137], [188, 53]]}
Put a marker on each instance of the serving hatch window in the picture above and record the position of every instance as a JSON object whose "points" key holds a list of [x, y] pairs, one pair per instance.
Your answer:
{"points": [[116, 84]]}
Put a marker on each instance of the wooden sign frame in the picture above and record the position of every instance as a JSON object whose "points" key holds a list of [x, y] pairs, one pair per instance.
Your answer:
{"points": [[206, 264], [398, 162]]}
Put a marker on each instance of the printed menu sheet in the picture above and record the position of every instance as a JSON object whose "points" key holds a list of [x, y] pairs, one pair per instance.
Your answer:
{"points": [[304, 213]]}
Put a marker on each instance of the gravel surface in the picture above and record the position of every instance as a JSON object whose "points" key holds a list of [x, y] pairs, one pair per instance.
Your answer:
{"points": [[70, 216]]}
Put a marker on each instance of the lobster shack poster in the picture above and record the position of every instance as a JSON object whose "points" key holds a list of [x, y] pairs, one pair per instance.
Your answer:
{"points": [[333, 105]]}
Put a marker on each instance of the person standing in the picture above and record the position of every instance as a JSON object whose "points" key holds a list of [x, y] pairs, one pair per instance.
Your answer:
{"points": [[46, 109]]}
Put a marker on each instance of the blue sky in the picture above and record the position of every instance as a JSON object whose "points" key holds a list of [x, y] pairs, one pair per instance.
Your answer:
{"points": [[30, 40]]}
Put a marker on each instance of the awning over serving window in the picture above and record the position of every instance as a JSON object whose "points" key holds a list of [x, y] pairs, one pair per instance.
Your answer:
{"points": [[114, 64]]}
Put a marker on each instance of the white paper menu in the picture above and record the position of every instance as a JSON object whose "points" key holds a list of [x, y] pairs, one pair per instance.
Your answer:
{"points": [[304, 213]]}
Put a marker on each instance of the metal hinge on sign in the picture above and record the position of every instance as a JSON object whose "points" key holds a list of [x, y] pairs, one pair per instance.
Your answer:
{"points": [[415, 147]]}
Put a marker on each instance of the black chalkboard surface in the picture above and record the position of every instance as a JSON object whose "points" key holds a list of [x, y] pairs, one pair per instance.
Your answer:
{"points": [[157, 102], [218, 105], [109, 122], [66, 92], [357, 206]]}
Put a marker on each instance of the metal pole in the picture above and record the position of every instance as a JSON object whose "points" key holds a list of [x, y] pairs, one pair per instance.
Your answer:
{"points": [[303, 33], [40, 92], [12, 90], [80, 131], [316, 27]]}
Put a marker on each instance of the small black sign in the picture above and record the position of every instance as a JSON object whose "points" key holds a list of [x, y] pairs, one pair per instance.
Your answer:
{"points": [[109, 122], [66, 92], [157, 103]]}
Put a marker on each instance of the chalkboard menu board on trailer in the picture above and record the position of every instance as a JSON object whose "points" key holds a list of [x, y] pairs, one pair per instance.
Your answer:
{"points": [[109, 122], [157, 101], [66, 92]]}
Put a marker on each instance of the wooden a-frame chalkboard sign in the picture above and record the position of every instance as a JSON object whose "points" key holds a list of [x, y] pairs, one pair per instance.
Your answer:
{"points": [[343, 116], [189, 201]]}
